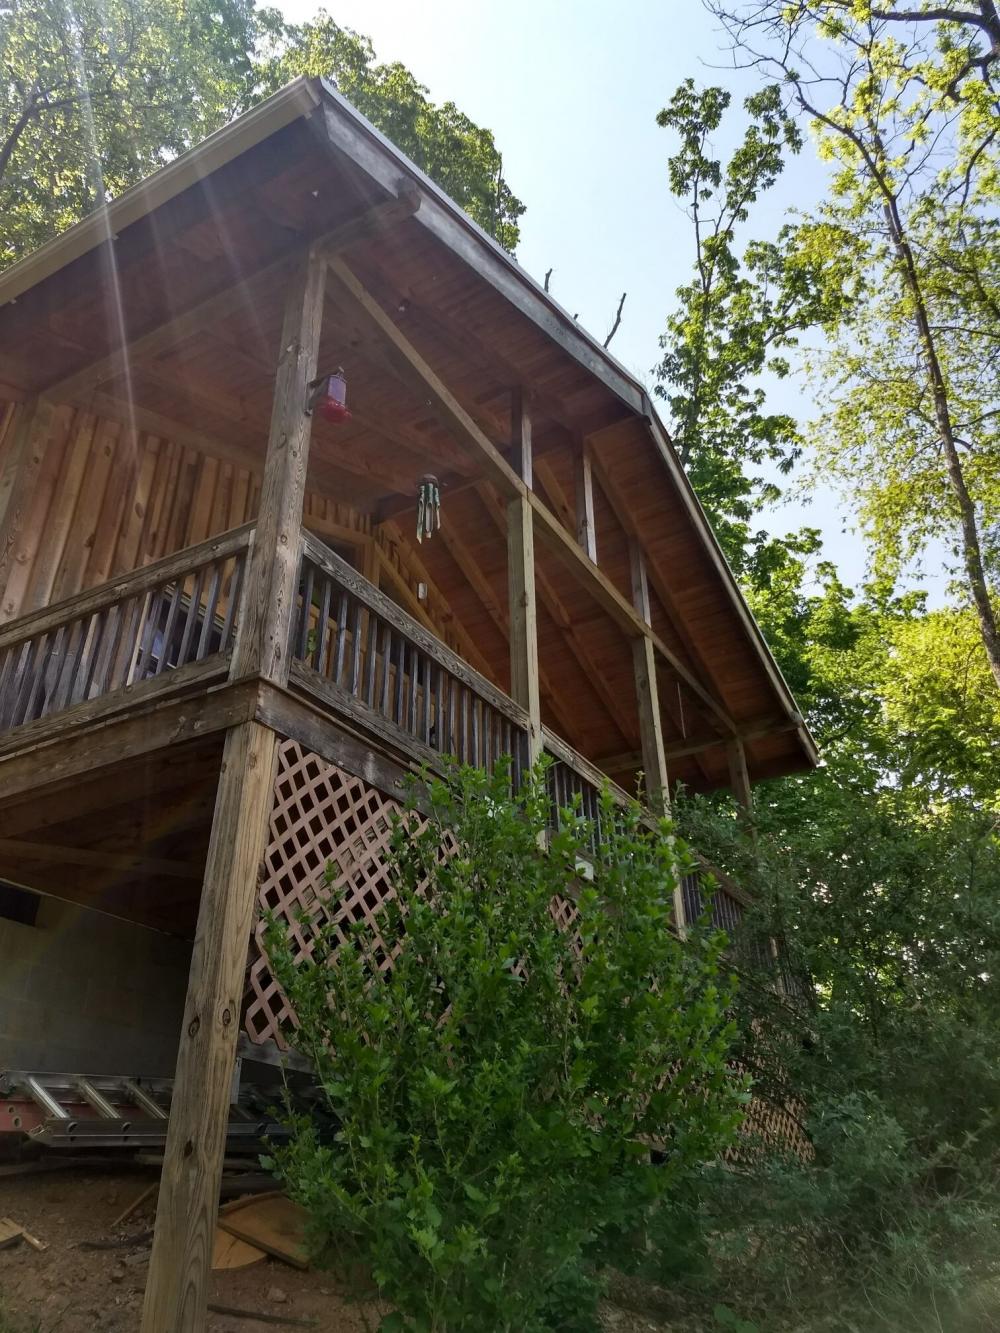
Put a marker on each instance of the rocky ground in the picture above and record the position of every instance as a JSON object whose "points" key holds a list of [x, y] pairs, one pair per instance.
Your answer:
{"points": [[69, 1288]]}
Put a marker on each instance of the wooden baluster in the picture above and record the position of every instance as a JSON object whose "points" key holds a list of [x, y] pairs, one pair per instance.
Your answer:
{"points": [[338, 666], [371, 662], [356, 635], [428, 697], [386, 668], [305, 611], [191, 620], [99, 629], [474, 729], [63, 682], [235, 596], [400, 683], [323, 624], [414, 681], [211, 610], [439, 738], [38, 704], [170, 625], [8, 677], [149, 634], [29, 671]]}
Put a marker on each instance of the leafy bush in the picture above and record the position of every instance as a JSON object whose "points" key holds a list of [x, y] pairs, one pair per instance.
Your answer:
{"points": [[497, 1090], [894, 911]]}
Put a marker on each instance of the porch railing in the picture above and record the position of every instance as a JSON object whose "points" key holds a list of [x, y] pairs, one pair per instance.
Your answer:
{"points": [[359, 654], [175, 615]]}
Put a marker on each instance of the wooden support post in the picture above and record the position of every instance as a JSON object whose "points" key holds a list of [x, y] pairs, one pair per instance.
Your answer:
{"points": [[654, 760], [176, 1289], [586, 529], [181, 1260], [524, 683], [18, 483], [262, 644], [739, 776]]}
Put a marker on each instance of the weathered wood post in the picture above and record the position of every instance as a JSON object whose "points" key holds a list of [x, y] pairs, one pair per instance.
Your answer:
{"points": [[524, 687], [192, 1168], [739, 778], [586, 527], [654, 759]]}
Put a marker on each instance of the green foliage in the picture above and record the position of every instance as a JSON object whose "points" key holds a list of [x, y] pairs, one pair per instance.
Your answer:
{"points": [[93, 97], [459, 155], [494, 1092], [738, 317], [893, 909]]}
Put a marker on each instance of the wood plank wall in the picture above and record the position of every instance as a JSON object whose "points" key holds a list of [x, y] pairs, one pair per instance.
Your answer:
{"points": [[108, 501]]}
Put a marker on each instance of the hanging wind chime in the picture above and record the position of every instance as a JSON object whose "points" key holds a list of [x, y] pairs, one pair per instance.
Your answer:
{"points": [[428, 507]]}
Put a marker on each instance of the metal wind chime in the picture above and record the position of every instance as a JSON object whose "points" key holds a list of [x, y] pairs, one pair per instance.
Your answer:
{"points": [[428, 507]]}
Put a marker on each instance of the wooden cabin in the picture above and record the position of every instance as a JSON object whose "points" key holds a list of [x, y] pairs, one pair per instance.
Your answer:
{"points": [[223, 641]]}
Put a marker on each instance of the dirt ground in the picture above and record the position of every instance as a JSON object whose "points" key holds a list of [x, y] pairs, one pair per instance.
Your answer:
{"points": [[71, 1289]]}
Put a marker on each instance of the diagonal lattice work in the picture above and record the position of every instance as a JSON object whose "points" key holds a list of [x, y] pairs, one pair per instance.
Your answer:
{"points": [[323, 816], [320, 816]]}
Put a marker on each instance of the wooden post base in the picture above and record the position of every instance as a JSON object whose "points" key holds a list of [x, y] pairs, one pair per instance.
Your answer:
{"points": [[176, 1289]]}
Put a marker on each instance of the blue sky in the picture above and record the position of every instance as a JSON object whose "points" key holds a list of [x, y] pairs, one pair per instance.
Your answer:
{"points": [[571, 92]]}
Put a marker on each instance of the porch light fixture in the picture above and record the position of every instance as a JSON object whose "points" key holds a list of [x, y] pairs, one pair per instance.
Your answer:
{"points": [[328, 397], [428, 507]]}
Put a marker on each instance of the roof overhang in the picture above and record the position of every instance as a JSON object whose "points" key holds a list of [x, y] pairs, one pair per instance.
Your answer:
{"points": [[351, 135]]}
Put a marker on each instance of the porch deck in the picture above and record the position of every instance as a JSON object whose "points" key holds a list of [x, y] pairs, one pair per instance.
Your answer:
{"points": [[98, 687]]}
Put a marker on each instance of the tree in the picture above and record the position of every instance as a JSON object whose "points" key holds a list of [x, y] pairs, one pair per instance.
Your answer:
{"points": [[459, 155], [737, 318], [913, 139], [94, 97]]}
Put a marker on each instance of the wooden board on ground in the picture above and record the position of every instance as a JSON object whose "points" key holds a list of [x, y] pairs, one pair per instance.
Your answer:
{"points": [[230, 1252], [274, 1224], [11, 1232]]}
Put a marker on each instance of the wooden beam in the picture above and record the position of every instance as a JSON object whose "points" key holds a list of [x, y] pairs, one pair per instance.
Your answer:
{"points": [[181, 1259], [739, 776], [50, 853], [133, 731], [654, 761], [406, 362], [223, 304], [658, 584], [523, 609], [261, 647], [553, 604], [411, 367], [586, 526], [468, 567]]}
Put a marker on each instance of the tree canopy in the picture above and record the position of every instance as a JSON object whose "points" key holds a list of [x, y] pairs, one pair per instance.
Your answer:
{"points": [[93, 97]]}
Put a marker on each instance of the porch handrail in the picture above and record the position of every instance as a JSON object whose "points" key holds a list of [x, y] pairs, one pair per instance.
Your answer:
{"points": [[344, 574], [136, 581]]}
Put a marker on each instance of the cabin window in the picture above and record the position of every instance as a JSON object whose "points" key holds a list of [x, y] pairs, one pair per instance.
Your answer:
{"points": [[16, 904]]}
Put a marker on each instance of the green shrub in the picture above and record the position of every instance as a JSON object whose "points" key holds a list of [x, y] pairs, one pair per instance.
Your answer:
{"points": [[496, 1091]]}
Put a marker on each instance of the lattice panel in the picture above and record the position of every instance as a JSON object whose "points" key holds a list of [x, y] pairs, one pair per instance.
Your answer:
{"points": [[320, 816]]}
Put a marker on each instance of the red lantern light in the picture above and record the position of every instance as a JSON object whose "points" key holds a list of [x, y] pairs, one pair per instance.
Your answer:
{"points": [[329, 397]]}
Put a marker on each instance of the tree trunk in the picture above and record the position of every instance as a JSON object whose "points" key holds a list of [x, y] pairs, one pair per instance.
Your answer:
{"points": [[972, 557]]}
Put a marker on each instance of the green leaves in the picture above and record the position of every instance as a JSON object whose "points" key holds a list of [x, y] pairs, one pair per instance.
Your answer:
{"points": [[93, 97], [495, 1091], [738, 316]]}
